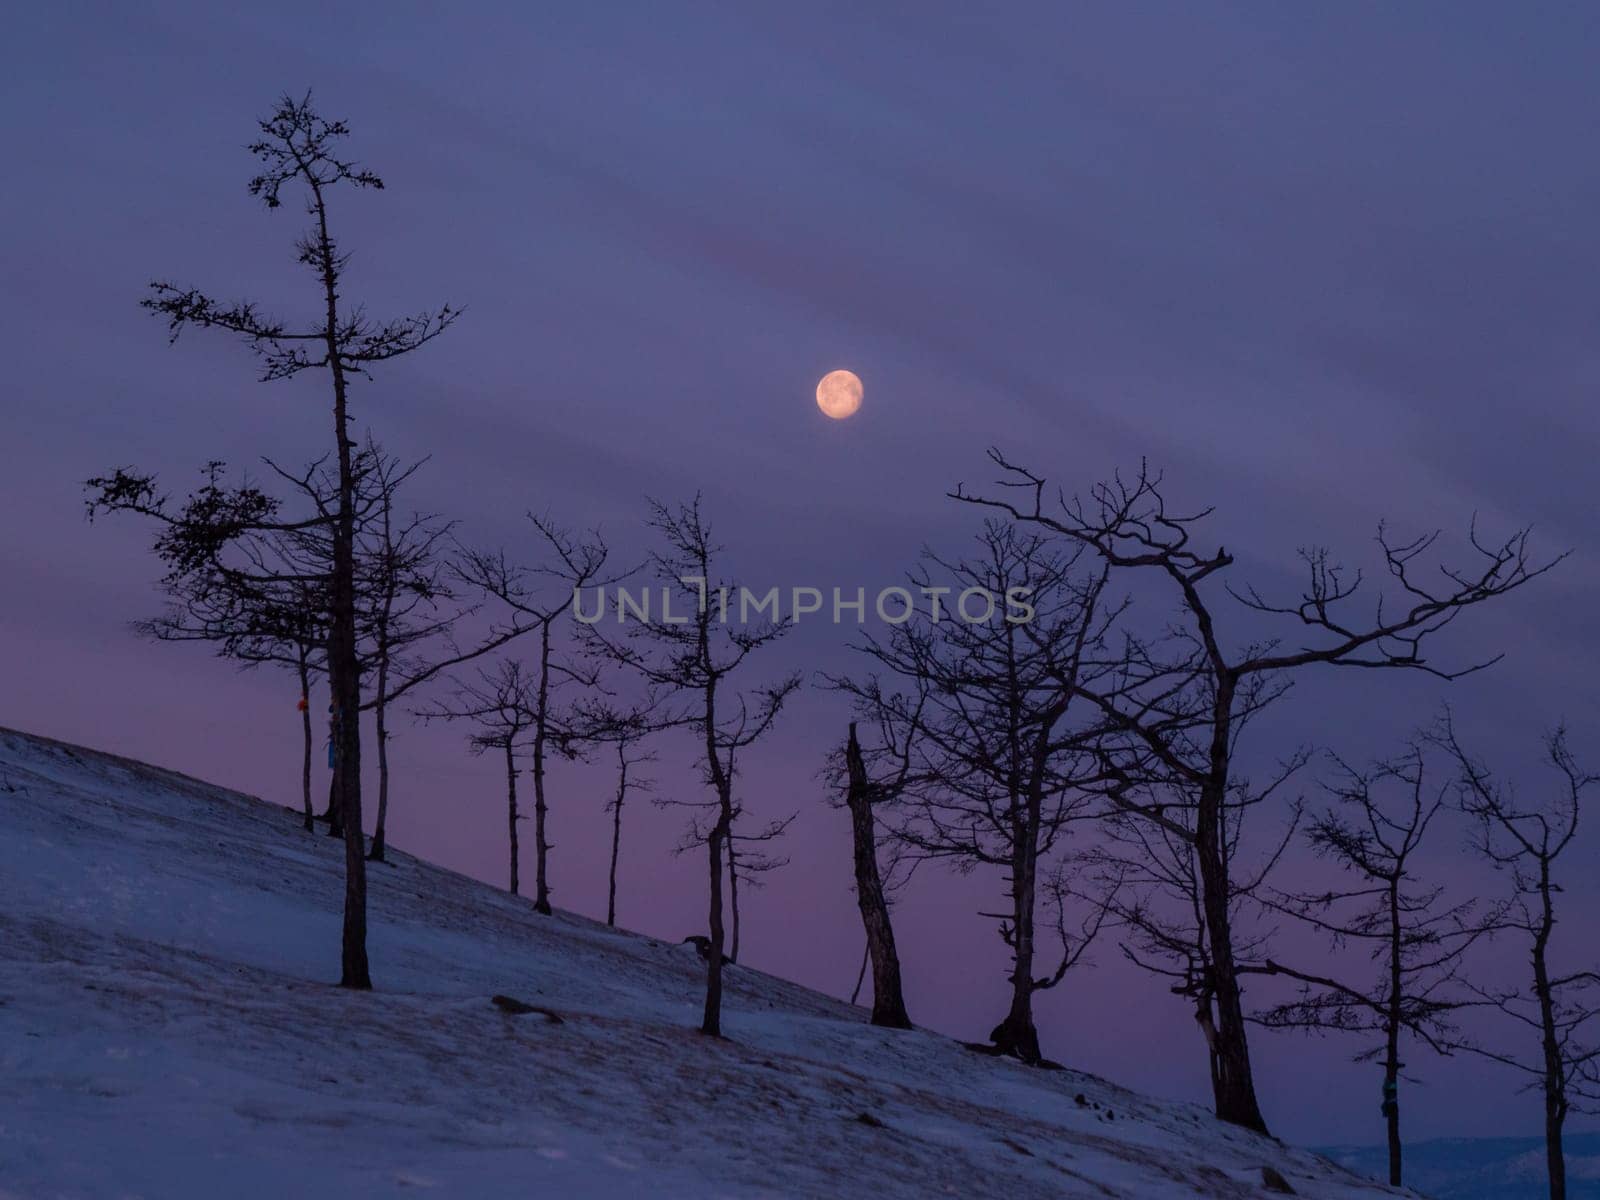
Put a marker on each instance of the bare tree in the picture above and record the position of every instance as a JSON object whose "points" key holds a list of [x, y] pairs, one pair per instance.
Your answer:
{"points": [[630, 756], [1557, 1006], [1148, 867], [537, 597], [624, 730], [693, 660], [872, 893], [1411, 936], [1177, 704], [408, 612], [501, 705], [999, 765], [299, 149]]}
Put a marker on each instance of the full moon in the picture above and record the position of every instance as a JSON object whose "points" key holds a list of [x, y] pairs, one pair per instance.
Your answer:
{"points": [[839, 394]]}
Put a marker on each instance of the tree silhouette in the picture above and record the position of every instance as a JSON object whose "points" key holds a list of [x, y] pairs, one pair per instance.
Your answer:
{"points": [[298, 153], [1179, 703]]}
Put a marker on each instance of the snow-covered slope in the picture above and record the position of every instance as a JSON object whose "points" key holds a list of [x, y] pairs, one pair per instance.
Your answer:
{"points": [[167, 1030]]}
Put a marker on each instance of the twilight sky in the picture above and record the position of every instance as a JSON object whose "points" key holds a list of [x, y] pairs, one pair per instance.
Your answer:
{"points": [[1322, 267]]}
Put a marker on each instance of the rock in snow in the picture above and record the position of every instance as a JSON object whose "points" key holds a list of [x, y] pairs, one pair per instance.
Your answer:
{"points": [[168, 1030]]}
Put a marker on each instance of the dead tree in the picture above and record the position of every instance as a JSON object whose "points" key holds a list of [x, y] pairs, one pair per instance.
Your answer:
{"points": [[1412, 938], [501, 705], [298, 150], [1000, 747], [696, 660], [888, 993], [1177, 705], [1557, 1006], [537, 598]]}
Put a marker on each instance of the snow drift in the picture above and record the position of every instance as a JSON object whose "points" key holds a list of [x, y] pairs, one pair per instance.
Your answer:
{"points": [[168, 1030]]}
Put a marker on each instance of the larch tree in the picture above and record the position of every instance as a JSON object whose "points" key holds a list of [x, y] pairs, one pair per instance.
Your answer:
{"points": [[538, 599], [1413, 937], [1558, 1007], [622, 733], [1176, 705], [252, 622], [630, 757], [299, 153], [985, 701], [697, 661], [500, 707]]}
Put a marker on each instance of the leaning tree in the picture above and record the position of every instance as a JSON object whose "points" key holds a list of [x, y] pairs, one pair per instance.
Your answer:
{"points": [[1176, 708]]}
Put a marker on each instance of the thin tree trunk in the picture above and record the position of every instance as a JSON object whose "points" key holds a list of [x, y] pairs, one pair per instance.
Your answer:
{"points": [[381, 731], [344, 670], [733, 897], [335, 814], [305, 731], [1391, 1058], [711, 1023], [616, 831], [861, 972], [888, 999], [511, 814], [331, 814], [541, 845], [1555, 1095]]}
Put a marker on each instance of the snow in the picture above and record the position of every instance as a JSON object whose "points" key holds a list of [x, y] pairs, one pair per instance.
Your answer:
{"points": [[168, 1030]]}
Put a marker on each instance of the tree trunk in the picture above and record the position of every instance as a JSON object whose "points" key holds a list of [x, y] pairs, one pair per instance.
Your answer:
{"points": [[511, 814], [1391, 1109], [344, 668], [616, 831], [733, 897], [711, 1022], [1555, 1093], [888, 999], [1555, 1156], [541, 846], [861, 972], [305, 730], [1233, 1085], [335, 814], [1016, 1035], [381, 732], [1391, 1057]]}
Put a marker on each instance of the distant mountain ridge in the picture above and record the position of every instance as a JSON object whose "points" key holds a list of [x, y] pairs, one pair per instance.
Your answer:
{"points": [[1482, 1168]]}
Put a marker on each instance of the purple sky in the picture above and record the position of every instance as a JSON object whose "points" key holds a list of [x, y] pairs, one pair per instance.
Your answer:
{"points": [[1321, 267]]}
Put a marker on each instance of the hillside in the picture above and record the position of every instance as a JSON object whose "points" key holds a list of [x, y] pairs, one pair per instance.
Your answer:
{"points": [[168, 1031]]}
